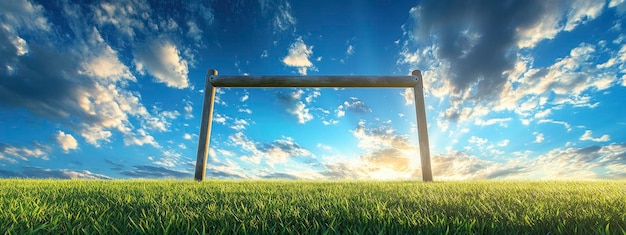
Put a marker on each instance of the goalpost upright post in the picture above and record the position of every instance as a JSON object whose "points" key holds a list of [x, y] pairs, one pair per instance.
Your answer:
{"points": [[213, 81]]}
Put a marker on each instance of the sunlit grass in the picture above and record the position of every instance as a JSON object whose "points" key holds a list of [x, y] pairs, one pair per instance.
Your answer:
{"points": [[180, 207]]}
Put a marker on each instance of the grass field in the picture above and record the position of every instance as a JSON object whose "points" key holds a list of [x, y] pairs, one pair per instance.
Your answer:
{"points": [[270, 207]]}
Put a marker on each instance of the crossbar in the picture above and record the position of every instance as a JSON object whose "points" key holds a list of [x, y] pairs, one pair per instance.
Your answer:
{"points": [[314, 81], [213, 81]]}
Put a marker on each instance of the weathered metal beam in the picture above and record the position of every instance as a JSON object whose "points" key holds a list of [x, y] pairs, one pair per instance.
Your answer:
{"points": [[314, 81], [422, 128], [205, 127]]}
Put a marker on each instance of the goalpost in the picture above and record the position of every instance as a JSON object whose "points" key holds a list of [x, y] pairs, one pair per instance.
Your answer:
{"points": [[213, 81]]}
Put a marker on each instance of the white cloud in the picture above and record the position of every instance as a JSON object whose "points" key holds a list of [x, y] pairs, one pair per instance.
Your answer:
{"points": [[583, 11], [489, 122], [302, 112], [314, 94], [476, 87], [408, 96], [264, 54], [538, 137], [340, 111], [330, 122], [283, 20], [295, 106], [479, 142], [23, 153], [248, 111], [219, 118], [386, 155], [170, 158], [588, 136], [324, 147], [125, 18], [84, 174], [503, 143], [356, 105], [161, 121], [90, 79], [299, 56], [140, 138], [350, 50], [614, 3], [162, 60], [188, 109], [239, 124], [567, 126], [562, 164], [24, 14], [187, 136], [104, 63], [67, 141], [551, 22], [543, 114], [194, 31], [278, 151]]}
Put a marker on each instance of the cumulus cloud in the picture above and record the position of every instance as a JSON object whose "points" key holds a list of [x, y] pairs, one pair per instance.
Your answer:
{"points": [[408, 96], [239, 124], [298, 56], [83, 88], [162, 59], [67, 141], [476, 58], [295, 105], [588, 136]]}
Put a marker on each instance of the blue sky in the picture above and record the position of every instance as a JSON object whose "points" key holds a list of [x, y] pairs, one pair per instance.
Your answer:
{"points": [[514, 89]]}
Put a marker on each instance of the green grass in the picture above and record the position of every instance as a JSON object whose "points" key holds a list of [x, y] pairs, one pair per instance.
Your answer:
{"points": [[303, 207]]}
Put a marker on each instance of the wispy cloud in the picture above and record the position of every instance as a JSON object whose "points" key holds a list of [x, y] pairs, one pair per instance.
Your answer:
{"points": [[489, 122], [567, 126], [278, 151], [146, 171], [11, 152]]}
